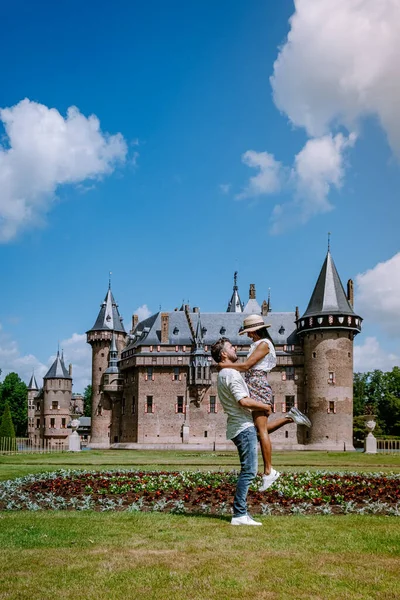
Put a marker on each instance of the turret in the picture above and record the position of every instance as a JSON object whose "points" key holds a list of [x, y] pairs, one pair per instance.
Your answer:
{"points": [[32, 393], [327, 329], [108, 326], [235, 304], [57, 392], [252, 305]]}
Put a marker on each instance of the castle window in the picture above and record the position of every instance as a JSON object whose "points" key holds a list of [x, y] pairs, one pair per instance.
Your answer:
{"points": [[59, 383], [149, 374], [149, 408], [123, 406], [37, 423], [314, 355], [213, 404], [176, 376], [38, 406], [331, 379], [206, 434], [133, 405], [99, 368], [54, 405], [52, 423], [179, 406], [349, 355], [331, 407], [289, 373], [198, 373], [63, 423], [289, 402], [286, 434], [307, 434]]}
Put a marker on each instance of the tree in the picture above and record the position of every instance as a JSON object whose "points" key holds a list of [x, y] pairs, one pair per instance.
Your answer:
{"points": [[14, 392], [7, 426], [87, 401]]}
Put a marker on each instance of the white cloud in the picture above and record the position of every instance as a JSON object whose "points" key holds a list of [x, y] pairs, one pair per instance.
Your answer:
{"points": [[225, 188], [340, 63], [44, 150], [268, 178], [318, 167], [378, 295], [370, 355], [76, 351], [143, 312]]}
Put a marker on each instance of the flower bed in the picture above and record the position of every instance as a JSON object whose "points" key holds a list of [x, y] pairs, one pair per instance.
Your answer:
{"points": [[202, 492]]}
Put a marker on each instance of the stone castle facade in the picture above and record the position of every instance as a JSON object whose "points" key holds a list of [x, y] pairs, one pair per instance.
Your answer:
{"points": [[156, 386]]}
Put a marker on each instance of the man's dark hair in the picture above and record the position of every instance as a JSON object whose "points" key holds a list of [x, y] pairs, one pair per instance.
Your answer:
{"points": [[218, 348]]}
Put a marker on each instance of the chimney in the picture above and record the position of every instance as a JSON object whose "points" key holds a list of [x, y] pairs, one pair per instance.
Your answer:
{"points": [[70, 370], [196, 309], [135, 320], [164, 328], [350, 292], [252, 292]]}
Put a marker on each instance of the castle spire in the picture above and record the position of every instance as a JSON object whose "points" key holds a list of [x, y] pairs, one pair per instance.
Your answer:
{"points": [[328, 296], [57, 369], [32, 384], [108, 317], [113, 357], [235, 304]]}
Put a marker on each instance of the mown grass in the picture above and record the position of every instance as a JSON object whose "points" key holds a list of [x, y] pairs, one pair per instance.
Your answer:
{"points": [[19, 465], [161, 556]]}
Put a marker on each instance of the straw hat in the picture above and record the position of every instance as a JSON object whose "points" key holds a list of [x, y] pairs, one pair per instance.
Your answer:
{"points": [[252, 323]]}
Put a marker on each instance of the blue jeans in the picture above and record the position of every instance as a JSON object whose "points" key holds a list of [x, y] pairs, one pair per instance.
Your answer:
{"points": [[246, 443]]}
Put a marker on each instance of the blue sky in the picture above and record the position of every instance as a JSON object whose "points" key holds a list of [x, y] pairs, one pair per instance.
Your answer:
{"points": [[208, 146]]}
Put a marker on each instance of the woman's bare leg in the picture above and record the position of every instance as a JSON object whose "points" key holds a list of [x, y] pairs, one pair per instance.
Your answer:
{"points": [[261, 422], [278, 423]]}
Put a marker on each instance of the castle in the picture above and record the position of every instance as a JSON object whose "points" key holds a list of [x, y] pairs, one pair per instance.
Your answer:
{"points": [[155, 387]]}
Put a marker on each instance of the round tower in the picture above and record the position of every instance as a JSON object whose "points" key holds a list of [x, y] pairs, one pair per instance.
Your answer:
{"points": [[327, 331], [32, 393], [100, 336], [57, 392]]}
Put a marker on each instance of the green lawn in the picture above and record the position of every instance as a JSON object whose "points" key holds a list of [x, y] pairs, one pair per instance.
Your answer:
{"points": [[18, 465], [163, 557], [113, 556]]}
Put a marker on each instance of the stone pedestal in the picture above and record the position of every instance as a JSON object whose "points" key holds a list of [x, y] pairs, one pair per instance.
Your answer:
{"points": [[370, 445], [74, 439], [185, 434]]}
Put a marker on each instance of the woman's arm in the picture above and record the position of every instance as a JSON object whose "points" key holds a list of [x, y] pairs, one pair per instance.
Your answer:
{"points": [[258, 354]]}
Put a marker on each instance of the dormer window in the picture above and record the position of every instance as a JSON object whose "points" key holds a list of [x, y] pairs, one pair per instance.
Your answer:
{"points": [[281, 330], [222, 331], [175, 331]]}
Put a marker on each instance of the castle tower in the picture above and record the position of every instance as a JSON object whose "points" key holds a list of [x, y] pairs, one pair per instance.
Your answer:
{"points": [[100, 336], [327, 329], [112, 388], [32, 393], [57, 392], [235, 304]]}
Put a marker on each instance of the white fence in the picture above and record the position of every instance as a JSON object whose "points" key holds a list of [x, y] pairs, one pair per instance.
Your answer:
{"points": [[29, 446], [388, 446]]}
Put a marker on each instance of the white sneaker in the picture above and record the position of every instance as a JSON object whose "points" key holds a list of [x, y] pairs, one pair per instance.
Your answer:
{"points": [[268, 480], [245, 520], [298, 417]]}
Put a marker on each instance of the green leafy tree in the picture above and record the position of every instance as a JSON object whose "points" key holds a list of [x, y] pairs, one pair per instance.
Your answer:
{"points": [[7, 426], [87, 401], [14, 392]]}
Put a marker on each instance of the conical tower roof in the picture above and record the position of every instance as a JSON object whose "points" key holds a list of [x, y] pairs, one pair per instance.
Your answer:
{"points": [[32, 384], [108, 318], [235, 304], [57, 369], [328, 296], [113, 357]]}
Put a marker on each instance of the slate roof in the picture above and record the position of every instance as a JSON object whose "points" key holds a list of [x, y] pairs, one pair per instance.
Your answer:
{"points": [[252, 307], [328, 296], [32, 384], [57, 369], [108, 317], [214, 325]]}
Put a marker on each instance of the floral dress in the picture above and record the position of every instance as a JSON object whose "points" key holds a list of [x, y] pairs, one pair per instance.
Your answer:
{"points": [[257, 377]]}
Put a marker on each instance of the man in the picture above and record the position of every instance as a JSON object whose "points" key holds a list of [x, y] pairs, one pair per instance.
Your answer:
{"points": [[234, 397]]}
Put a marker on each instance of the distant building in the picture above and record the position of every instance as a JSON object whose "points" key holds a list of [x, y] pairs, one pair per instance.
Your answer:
{"points": [[156, 386]]}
